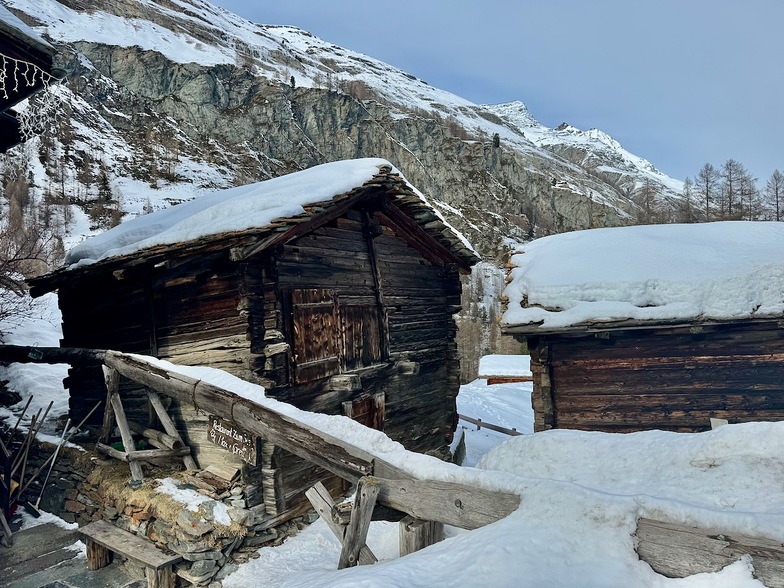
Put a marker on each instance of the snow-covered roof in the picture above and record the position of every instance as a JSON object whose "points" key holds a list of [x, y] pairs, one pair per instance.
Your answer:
{"points": [[275, 205], [11, 24], [505, 365], [655, 274]]}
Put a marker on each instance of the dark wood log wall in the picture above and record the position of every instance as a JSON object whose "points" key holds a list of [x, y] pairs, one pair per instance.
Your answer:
{"points": [[364, 277], [391, 305], [187, 312], [103, 312], [420, 300], [670, 379]]}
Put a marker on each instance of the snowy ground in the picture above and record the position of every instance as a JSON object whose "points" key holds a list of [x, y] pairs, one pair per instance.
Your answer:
{"points": [[581, 496]]}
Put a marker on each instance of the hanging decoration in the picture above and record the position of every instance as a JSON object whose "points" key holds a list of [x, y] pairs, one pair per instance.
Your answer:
{"points": [[43, 107]]}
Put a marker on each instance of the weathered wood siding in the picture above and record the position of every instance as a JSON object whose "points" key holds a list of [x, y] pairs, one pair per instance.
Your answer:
{"points": [[421, 299], [186, 312], [362, 297], [671, 379], [354, 297]]}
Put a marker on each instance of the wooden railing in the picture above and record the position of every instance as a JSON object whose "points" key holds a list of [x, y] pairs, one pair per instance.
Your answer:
{"points": [[480, 423], [451, 503]]}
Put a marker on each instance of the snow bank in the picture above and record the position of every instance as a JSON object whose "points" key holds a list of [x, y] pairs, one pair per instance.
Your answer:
{"points": [[723, 270], [581, 496]]}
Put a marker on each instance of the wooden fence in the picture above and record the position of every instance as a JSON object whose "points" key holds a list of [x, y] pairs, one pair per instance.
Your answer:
{"points": [[451, 503], [480, 423]]}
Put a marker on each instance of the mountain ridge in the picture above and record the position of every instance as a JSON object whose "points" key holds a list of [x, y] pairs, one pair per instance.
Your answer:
{"points": [[193, 52]]}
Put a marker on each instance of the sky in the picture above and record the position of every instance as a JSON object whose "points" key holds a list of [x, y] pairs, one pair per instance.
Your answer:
{"points": [[678, 82]]}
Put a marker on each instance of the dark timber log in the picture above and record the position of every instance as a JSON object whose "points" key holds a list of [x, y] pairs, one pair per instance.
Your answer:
{"points": [[678, 551], [278, 429], [73, 356]]}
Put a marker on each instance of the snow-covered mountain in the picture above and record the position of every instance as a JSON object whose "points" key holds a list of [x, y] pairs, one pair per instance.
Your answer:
{"points": [[172, 97]]}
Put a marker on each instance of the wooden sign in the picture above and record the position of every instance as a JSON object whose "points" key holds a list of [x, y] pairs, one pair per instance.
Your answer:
{"points": [[230, 437]]}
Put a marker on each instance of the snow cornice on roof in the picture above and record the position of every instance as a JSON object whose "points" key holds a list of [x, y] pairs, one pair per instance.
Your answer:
{"points": [[671, 276], [116, 248]]}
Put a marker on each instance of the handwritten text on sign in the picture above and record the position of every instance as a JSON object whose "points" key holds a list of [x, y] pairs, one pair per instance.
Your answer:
{"points": [[228, 436]]}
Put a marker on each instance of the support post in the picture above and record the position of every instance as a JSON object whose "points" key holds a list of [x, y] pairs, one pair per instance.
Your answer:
{"points": [[416, 534], [361, 515], [112, 379], [169, 427], [127, 439], [322, 503], [98, 556]]}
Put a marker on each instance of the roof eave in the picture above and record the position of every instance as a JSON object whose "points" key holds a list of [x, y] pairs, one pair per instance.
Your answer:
{"points": [[590, 328]]}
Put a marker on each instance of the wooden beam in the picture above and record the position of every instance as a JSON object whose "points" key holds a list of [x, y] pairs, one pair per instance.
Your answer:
{"points": [[127, 439], [71, 355], [480, 423], [361, 515], [677, 551], [112, 380], [322, 502], [156, 438], [169, 427], [310, 221], [377, 282], [416, 534], [331, 453], [427, 245], [459, 505], [142, 454]]}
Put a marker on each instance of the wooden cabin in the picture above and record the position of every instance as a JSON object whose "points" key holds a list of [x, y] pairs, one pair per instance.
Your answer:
{"points": [[334, 288], [505, 369], [658, 327], [26, 61]]}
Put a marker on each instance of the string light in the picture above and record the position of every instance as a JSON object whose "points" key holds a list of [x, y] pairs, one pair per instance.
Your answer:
{"points": [[41, 108]]}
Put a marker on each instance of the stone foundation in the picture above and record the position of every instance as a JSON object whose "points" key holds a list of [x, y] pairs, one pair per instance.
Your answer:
{"points": [[213, 539]]}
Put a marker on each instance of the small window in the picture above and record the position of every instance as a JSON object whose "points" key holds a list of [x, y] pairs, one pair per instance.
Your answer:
{"points": [[330, 338]]}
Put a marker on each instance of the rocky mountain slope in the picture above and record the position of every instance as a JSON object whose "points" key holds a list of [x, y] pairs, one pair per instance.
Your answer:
{"points": [[164, 99], [183, 92]]}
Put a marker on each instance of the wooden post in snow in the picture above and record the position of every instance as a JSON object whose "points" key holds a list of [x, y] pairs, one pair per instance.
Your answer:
{"points": [[322, 502], [416, 534], [361, 514]]}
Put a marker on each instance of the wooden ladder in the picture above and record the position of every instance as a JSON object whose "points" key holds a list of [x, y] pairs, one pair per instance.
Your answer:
{"points": [[167, 445]]}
